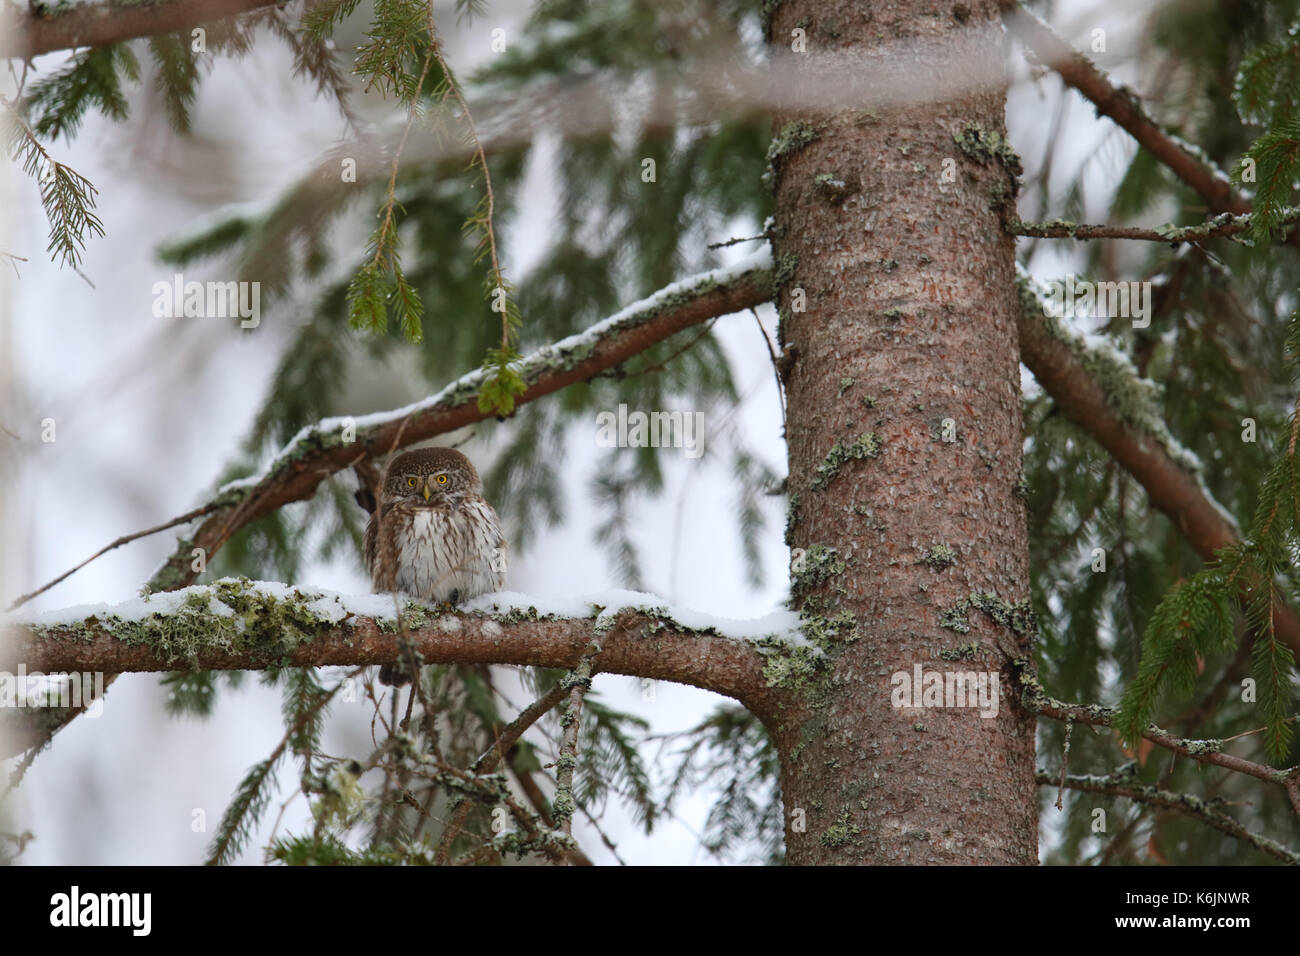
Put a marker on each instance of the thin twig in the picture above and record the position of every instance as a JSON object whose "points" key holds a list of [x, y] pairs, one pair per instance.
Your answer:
{"points": [[491, 759], [1118, 786], [1065, 763], [223, 840], [125, 539], [736, 242], [480, 156], [776, 365], [1202, 751], [1225, 224], [1123, 106], [577, 682], [390, 198]]}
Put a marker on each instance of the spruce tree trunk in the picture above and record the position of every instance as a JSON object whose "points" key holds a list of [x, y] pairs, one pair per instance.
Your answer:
{"points": [[904, 430]]}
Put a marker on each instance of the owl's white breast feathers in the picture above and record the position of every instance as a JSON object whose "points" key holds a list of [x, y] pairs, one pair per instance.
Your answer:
{"points": [[450, 554]]}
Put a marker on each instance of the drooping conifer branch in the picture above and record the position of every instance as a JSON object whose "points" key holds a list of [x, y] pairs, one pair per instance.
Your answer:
{"points": [[491, 759], [576, 682], [1105, 398], [236, 624], [1124, 106]]}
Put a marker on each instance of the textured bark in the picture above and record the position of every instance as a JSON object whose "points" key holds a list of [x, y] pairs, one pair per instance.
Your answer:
{"points": [[634, 643], [101, 24], [910, 320]]}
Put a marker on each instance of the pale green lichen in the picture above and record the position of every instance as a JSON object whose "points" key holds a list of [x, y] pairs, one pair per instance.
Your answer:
{"points": [[793, 667], [864, 446], [819, 564], [791, 519], [826, 630], [246, 622], [786, 266], [1017, 617], [986, 145], [834, 189], [840, 833], [792, 137], [938, 557]]}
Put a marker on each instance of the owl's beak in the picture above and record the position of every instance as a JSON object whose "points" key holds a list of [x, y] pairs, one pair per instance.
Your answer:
{"points": [[427, 492]]}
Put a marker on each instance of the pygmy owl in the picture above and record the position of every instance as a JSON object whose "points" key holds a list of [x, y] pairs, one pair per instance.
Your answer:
{"points": [[433, 536]]}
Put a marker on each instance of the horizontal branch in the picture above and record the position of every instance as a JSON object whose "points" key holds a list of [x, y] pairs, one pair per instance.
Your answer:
{"points": [[1118, 785], [236, 624], [1222, 225], [30, 33], [1202, 751], [1101, 393]]}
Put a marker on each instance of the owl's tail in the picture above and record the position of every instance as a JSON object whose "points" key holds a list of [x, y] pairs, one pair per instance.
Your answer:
{"points": [[394, 675], [403, 669]]}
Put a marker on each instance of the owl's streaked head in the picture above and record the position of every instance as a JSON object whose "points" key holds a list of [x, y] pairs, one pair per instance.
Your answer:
{"points": [[431, 476]]}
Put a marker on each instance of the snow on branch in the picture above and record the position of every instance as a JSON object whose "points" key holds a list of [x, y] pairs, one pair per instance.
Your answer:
{"points": [[1098, 388], [334, 444], [239, 624], [1189, 163]]}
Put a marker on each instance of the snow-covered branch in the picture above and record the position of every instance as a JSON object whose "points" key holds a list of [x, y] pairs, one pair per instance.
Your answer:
{"points": [[1124, 106], [332, 445], [235, 623], [1098, 388], [320, 450]]}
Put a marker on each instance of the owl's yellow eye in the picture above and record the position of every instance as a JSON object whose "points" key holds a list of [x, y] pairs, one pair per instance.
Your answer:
{"points": [[410, 482], [442, 479]]}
